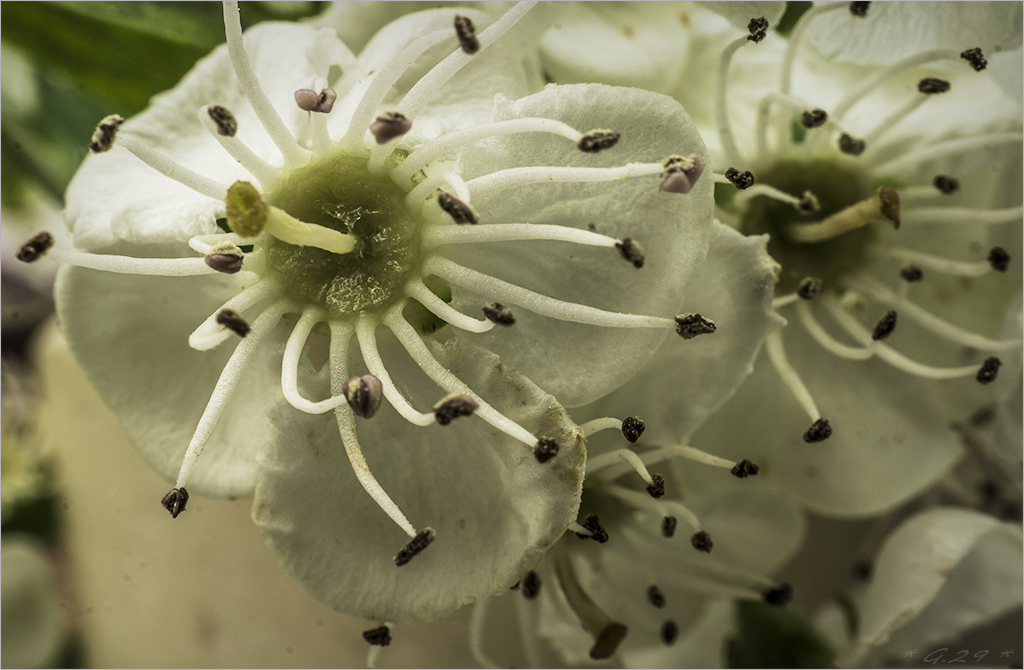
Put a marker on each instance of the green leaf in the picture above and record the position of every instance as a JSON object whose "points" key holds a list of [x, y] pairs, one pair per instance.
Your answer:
{"points": [[196, 24], [775, 637]]}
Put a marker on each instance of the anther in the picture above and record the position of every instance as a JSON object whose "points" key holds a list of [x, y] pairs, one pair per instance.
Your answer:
{"points": [[103, 136], [227, 124], [415, 546], [885, 326], [813, 118], [175, 500], [597, 531], [499, 314], [309, 100], [809, 288], [669, 632], [466, 33], [608, 640], [378, 637], [809, 203], [890, 204], [389, 125], [851, 146], [631, 251], [655, 596], [932, 86], [225, 257], [598, 139], [819, 431], [454, 406], [999, 259], [531, 585], [545, 450], [758, 29], [233, 321], [859, 9], [701, 541], [668, 526], [947, 185], [35, 248], [458, 210], [689, 326], [975, 58], [862, 570], [657, 488], [364, 395], [632, 428], [911, 273], [246, 212], [989, 370], [682, 173], [778, 595], [745, 468], [741, 180]]}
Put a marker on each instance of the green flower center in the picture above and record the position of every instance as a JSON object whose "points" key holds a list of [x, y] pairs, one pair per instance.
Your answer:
{"points": [[339, 193]]}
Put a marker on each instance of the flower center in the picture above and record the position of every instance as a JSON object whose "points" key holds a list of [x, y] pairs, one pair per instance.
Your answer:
{"points": [[836, 187], [339, 193]]}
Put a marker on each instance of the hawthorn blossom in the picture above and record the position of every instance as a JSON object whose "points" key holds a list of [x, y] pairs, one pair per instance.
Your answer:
{"points": [[324, 195]]}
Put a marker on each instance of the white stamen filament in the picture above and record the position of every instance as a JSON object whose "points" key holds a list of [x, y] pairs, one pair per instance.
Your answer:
{"points": [[290, 365], [417, 198], [732, 153], [434, 236], [373, 655], [660, 505], [633, 461], [764, 115], [521, 176], [294, 155], [797, 38], [128, 265], [870, 84], [722, 179], [785, 300], [441, 376], [365, 327], [897, 115], [210, 333], [919, 193], [497, 289], [476, 633], [763, 190], [341, 333], [165, 166], [788, 374], [597, 425], [608, 466], [960, 215], [204, 244], [576, 528], [939, 150], [227, 383], [265, 173], [826, 341], [930, 262], [415, 288]]}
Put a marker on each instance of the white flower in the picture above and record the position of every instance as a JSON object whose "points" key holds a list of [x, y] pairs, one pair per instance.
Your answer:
{"points": [[362, 165]]}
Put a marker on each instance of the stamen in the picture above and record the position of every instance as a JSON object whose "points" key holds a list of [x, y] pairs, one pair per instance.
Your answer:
{"points": [[415, 288], [417, 544], [103, 136], [309, 100], [231, 320], [655, 596], [477, 624], [466, 33], [701, 541], [595, 531], [416, 199], [911, 274], [999, 259], [388, 126], [545, 450], [35, 248], [885, 206], [379, 637], [608, 465], [460, 211], [581, 532], [175, 500], [631, 251], [947, 185], [741, 180], [809, 288], [975, 58], [778, 595], [926, 86], [789, 376], [963, 215], [364, 395], [632, 428], [813, 118], [796, 41], [226, 258], [597, 425], [669, 632], [668, 526], [248, 216], [939, 150], [454, 406], [806, 203], [657, 488], [641, 501], [522, 176], [884, 327], [859, 9], [607, 633], [290, 363], [819, 431], [827, 342], [499, 314], [598, 140], [689, 326], [918, 259], [932, 86], [168, 168], [531, 585], [745, 468], [38, 246], [209, 333], [436, 235], [294, 155], [223, 121], [989, 370], [366, 325], [849, 145], [682, 173], [758, 30]]}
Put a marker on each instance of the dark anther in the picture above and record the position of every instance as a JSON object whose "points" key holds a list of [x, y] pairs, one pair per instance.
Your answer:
{"points": [[388, 126], [984, 416], [669, 632], [656, 597], [175, 500], [778, 595], [975, 58], [758, 29], [364, 395], [499, 314], [989, 370], [454, 406], [35, 248], [229, 264], [466, 33], [545, 450], [809, 288], [999, 259], [745, 468], [890, 207], [808, 204], [631, 251], [689, 326], [231, 320], [931, 86], [309, 100], [657, 488], [911, 273], [885, 326], [227, 124], [701, 541], [597, 531], [378, 637], [813, 118], [632, 428], [103, 136], [946, 184], [862, 570], [596, 140], [531, 585], [668, 526], [608, 640], [819, 431], [859, 9], [458, 210], [415, 546], [741, 180], [848, 145]]}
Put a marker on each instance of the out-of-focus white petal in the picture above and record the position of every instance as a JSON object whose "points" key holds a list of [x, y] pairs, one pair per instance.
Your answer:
{"points": [[32, 625]]}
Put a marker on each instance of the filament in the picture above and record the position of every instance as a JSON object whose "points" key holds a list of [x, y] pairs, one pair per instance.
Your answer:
{"points": [[163, 267], [210, 333], [521, 176], [292, 352], [826, 341], [165, 166], [434, 236], [265, 173], [939, 150], [930, 262], [597, 425], [415, 288], [789, 375], [365, 327]]}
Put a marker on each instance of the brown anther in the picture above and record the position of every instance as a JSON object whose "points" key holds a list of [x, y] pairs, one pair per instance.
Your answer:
{"points": [[809, 203], [632, 428], [809, 288], [932, 86], [911, 273], [453, 407], [701, 541], [105, 133], [309, 100], [859, 9], [597, 531], [35, 248], [460, 211], [598, 139], [741, 180], [778, 595], [745, 468], [989, 370], [813, 118], [819, 431], [531, 585], [657, 488], [175, 501], [631, 251], [388, 126], [545, 450], [466, 33], [890, 204], [233, 321], [364, 395], [975, 58], [378, 637], [415, 546], [499, 314], [668, 526], [669, 632], [885, 326], [947, 185], [851, 146], [758, 29], [655, 596], [999, 259], [227, 124]]}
